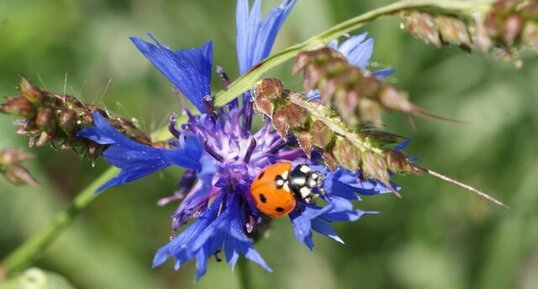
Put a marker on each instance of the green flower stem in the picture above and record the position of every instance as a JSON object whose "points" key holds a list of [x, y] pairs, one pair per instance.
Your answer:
{"points": [[249, 80], [30, 250], [243, 270]]}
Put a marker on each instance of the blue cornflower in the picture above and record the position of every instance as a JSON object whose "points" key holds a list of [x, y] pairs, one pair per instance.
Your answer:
{"points": [[222, 156]]}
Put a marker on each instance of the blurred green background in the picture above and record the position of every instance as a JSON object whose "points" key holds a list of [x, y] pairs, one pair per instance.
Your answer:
{"points": [[436, 236]]}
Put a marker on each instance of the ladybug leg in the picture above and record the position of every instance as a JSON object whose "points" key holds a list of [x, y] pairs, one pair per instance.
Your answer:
{"points": [[310, 199], [217, 258], [314, 196], [323, 194]]}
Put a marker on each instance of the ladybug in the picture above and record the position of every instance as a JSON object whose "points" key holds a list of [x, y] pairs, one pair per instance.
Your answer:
{"points": [[278, 187]]}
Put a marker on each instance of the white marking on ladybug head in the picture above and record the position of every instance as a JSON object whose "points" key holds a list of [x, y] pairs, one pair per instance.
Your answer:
{"points": [[299, 181], [287, 187], [285, 175], [304, 169]]}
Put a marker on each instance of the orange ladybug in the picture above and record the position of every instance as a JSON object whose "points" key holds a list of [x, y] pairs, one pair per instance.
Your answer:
{"points": [[277, 188]]}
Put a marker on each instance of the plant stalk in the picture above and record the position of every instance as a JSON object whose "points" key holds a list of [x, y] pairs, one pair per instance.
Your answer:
{"points": [[243, 270], [34, 247]]}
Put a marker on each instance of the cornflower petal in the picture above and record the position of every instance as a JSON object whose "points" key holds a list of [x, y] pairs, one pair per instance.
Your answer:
{"points": [[137, 160], [358, 50], [188, 69], [301, 219], [179, 247], [342, 187], [255, 38], [347, 184], [324, 227], [383, 73], [219, 226], [201, 264], [319, 219]]}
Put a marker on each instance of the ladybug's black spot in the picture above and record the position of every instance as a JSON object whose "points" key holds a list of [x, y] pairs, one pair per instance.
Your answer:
{"points": [[261, 175], [279, 209], [262, 198]]}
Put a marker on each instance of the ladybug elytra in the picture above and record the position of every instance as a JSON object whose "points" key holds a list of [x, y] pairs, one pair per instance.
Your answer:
{"points": [[278, 187]]}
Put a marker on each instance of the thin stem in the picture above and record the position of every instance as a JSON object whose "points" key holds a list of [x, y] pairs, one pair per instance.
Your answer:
{"points": [[243, 270], [30, 250], [249, 79], [465, 186]]}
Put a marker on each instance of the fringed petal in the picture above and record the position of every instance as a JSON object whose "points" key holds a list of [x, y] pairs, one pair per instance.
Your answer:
{"points": [[188, 69]]}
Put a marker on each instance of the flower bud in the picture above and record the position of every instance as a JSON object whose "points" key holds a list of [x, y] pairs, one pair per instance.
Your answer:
{"points": [[18, 106], [492, 24], [13, 156], [29, 91], [399, 162], [67, 119], [501, 5], [45, 119], [512, 27], [43, 138], [423, 26], [94, 150], [529, 36], [70, 102], [453, 31], [12, 170], [18, 175]]}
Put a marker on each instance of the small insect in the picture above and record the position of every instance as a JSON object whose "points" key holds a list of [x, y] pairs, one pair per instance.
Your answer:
{"points": [[278, 187]]}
